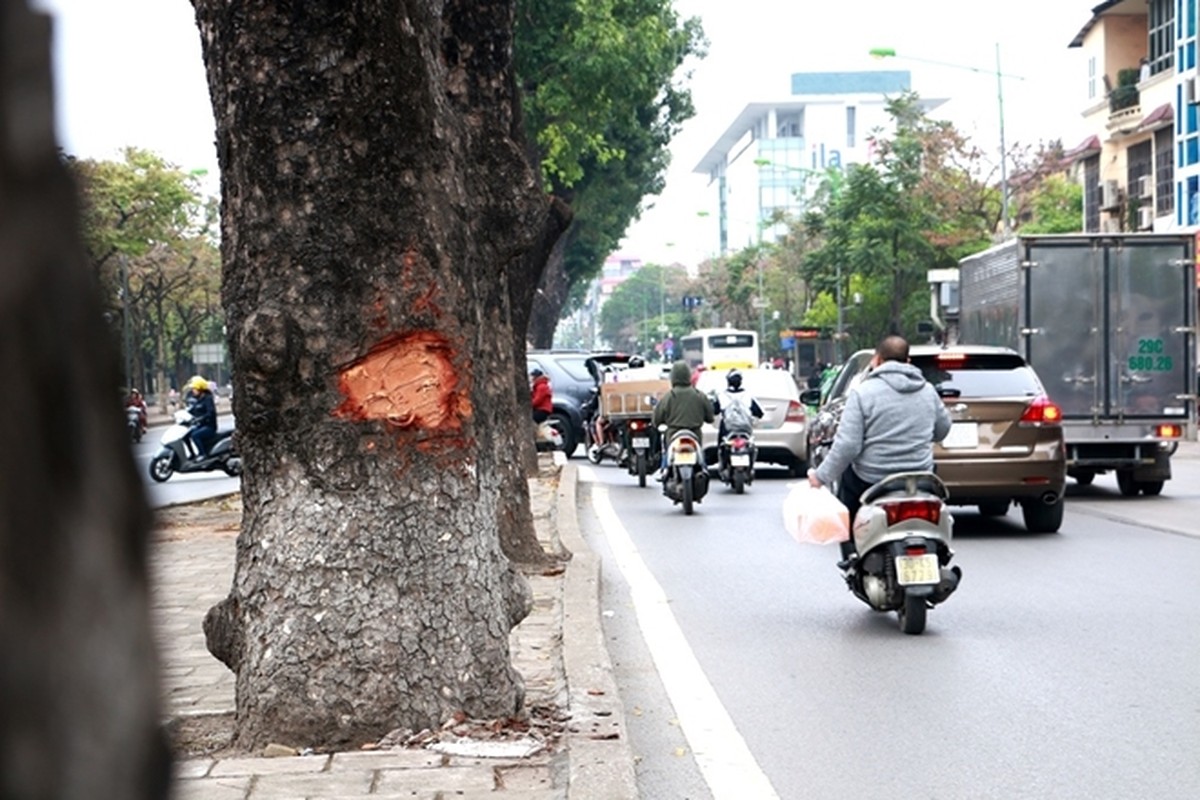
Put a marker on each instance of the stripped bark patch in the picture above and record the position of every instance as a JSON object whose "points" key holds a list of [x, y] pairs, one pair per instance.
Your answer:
{"points": [[407, 381]]}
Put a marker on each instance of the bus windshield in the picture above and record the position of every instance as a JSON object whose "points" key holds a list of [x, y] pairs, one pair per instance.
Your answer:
{"points": [[720, 348]]}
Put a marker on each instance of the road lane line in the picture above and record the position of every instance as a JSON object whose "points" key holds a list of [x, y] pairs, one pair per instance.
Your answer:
{"points": [[725, 761]]}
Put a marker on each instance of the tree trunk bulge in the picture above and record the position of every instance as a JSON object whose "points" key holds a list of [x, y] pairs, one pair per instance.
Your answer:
{"points": [[374, 206], [79, 704]]}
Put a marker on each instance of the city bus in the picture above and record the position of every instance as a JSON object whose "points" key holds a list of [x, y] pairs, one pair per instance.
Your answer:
{"points": [[720, 348]]}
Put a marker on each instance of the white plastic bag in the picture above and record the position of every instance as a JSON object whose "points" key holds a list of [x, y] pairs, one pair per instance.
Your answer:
{"points": [[815, 516]]}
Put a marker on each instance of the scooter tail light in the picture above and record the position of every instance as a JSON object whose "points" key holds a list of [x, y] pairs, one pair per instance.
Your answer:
{"points": [[928, 510], [637, 424], [914, 551], [795, 412], [1041, 411]]}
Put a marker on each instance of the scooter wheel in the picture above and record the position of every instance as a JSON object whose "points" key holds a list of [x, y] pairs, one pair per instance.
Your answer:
{"points": [[161, 468], [233, 467], [912, 614]]}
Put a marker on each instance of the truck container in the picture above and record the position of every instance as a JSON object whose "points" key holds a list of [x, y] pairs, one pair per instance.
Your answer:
{"points": [[1109, 324]]}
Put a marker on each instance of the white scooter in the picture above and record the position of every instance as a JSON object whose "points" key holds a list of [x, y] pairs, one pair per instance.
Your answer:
{"points": [[902, 536], [179, 452]]}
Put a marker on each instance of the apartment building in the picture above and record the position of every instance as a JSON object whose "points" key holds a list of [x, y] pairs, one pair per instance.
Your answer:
{"points": [[1140, 167], [763, 161]]}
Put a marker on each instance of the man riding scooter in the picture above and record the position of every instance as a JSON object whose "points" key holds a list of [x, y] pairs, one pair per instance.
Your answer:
{"points": [[889, 425]]}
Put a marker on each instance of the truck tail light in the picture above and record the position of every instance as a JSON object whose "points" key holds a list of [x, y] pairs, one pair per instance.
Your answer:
{"points": [[795, 412], [1168, 430], [1041, 412]]}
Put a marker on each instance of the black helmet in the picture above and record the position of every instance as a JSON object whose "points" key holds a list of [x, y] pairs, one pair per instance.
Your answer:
{"points": [[734, 379], [536, 372], [636, 361]]}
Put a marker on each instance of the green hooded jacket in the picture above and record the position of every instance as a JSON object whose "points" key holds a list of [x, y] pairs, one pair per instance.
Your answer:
{"points": [[684, 406]]}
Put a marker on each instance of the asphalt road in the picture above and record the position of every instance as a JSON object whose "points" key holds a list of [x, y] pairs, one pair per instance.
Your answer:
{"points": [[1066, 665]]}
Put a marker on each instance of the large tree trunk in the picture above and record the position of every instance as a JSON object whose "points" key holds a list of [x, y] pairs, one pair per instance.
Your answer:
{"points": [[551, 297], [373, 200], [79, 714]]}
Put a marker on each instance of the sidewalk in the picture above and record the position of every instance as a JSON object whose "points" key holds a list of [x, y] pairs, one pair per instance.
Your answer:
{"points": [[559, 649]]}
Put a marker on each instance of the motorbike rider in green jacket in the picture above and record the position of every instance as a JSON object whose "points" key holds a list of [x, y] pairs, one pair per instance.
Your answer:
{"points": [[684, 407]]}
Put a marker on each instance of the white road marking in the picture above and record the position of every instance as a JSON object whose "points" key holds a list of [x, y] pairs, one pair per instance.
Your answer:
{"points": [[725, 761]]}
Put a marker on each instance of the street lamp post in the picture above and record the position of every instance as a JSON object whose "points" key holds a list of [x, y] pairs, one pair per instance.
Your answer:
{"points": [[888, 52]]}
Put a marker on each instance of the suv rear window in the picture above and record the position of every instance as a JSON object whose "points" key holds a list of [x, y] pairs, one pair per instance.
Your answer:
{"points": [[991, 375]]}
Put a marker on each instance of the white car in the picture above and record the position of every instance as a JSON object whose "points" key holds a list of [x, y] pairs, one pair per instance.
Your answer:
{"points": [[781, 436]]}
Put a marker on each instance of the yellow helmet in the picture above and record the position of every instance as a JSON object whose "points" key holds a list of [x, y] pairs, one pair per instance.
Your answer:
{"points": [[198, 384]]}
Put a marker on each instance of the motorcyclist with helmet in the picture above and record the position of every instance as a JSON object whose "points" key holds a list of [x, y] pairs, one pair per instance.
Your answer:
{"points": [[734, 394], [684, 407], [203, 408]]}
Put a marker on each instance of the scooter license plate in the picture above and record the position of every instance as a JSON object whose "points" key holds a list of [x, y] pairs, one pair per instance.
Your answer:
{"points": [[641, 441], [912, 570], [685, 458], [739, 461]]}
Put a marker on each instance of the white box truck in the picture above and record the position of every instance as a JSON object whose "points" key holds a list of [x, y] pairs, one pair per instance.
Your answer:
{"points": [[1109, 324]]}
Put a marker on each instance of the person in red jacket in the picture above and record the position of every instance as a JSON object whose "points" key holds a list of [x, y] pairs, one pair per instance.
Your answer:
{"points": [[543, 402]]}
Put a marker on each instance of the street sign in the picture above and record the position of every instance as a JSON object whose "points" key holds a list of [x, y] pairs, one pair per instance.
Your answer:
{"points": [[208, 353]]}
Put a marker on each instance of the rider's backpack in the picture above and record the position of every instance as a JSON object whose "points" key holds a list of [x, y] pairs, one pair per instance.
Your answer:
{"points": [[735, 413]]}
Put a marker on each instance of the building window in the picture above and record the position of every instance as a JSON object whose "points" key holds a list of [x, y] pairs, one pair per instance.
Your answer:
{"points": [[1091, 194], [1162, 35], [788, 126], [851, 113], [1091, 88], [1164, 171]]}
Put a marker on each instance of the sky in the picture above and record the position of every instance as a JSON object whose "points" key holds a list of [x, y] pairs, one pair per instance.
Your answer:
{"points": [[130, 72]]}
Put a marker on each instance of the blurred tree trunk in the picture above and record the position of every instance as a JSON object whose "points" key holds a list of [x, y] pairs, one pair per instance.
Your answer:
{"points": [[79, 713], [374, 204]]}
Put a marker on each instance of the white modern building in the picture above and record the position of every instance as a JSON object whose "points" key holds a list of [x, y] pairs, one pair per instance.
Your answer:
{"points": [[765, 157]]}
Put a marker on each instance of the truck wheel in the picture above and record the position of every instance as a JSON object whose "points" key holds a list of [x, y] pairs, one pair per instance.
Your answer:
{"points": [[1084, 477], [1042, 518], [1125, 482], [1151, 488]]}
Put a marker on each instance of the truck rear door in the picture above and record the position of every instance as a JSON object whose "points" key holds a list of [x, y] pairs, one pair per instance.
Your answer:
{"points": [[1150, 355], [1064, 321]]}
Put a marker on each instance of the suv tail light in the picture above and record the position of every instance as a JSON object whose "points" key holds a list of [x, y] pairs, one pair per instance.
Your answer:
{"points": [[928, 510], [1041, 412], [795, 412]]}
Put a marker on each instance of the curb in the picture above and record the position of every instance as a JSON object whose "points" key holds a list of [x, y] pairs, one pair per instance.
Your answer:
{"points": [[601, 758]]}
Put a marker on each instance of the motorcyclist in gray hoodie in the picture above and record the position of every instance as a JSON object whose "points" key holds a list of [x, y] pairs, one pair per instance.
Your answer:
{"points": [[889, 424]]}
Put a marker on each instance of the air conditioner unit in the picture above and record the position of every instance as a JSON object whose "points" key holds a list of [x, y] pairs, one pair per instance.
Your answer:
{"points": [[1191, 96], [1110, 194], [1145, 187], [1146, 218]]}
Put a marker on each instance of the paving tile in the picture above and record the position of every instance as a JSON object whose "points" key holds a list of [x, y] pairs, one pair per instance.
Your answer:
{"points": [[270, 766]]}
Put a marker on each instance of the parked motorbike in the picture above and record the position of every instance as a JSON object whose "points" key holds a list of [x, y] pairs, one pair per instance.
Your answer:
{"points": [[735, 460], [686, 479], [179, 452], [902, 535], [135, 423], [641, 447]]}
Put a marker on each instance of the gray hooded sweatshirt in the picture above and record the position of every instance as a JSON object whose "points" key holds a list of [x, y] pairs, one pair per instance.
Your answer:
{"points": [[889, 424]]}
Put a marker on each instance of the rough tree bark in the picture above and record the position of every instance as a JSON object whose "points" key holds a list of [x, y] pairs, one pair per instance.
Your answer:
{"points": [[373, 201], [552, 296], [79, 715]]}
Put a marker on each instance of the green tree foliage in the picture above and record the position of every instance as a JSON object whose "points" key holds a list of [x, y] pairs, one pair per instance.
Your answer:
{"points": [[917, 206], [601, 103], [1056, 207], [641, 305], [148, 232]]}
